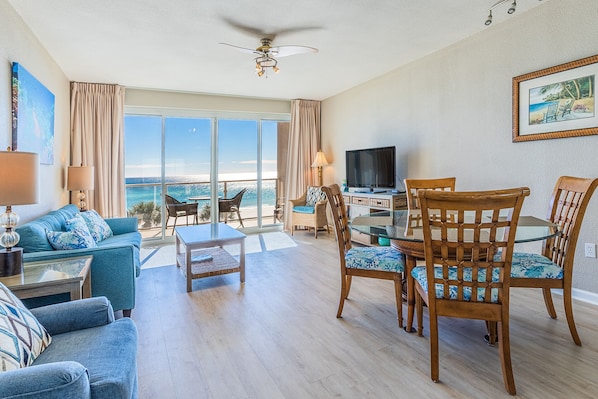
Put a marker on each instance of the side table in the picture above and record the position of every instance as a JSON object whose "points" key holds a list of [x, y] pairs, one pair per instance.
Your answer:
{"points": [[57, 276]]}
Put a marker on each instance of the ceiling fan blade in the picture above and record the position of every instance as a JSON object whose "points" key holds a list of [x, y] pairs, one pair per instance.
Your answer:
{"points": [[243, 49], [285, 51]]}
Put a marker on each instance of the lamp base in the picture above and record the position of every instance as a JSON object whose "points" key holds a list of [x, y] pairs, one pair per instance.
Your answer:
{"points": [[11, 262]]}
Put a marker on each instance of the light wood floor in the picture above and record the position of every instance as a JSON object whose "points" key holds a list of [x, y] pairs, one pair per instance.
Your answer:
{"points": [[276, 336]]}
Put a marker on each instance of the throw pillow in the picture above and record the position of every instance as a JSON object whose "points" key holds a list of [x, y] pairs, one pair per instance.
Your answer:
{"points": [[70, 240], [98, 227], [314, 194], [22, 338]]}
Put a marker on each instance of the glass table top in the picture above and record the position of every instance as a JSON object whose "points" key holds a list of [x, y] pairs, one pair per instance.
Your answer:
{"points": [[47, 271], [405, 225]]}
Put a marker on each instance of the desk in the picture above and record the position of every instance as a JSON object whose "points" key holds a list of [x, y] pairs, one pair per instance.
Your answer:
{"points": [[404, 229], [57, 276]]}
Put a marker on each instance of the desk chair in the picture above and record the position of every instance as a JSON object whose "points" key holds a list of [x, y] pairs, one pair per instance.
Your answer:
{"points": [[374, 262], [554, 267], [468, 280]]}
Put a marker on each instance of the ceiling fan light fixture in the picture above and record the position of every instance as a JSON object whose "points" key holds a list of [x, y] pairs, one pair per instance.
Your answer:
{"points": [[489, 19], [511, 9], [275, 69]]}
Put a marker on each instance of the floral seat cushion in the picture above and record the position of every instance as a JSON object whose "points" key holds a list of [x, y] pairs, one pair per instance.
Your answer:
{"points": [[419, 274], [527, 265], [375, 258]]}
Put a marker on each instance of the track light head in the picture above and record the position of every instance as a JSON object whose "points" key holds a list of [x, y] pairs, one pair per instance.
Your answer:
{"points": [[489, 20], [511, 10]]}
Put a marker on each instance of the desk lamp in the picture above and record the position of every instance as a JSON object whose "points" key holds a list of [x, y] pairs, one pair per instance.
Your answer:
{"points": [[19, 177], [80, 178]]}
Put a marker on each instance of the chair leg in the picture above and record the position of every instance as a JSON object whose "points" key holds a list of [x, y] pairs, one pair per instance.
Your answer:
{"points": [[504, 347], [316, 231], [240, 219], [175, 218], [434, 368], [548, 302], [349, 280], [344, 293], [419, 308], [569, 313], [399, 298]]}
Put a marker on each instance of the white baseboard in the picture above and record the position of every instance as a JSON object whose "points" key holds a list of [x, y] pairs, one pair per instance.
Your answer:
{"points": [[584, 296]]}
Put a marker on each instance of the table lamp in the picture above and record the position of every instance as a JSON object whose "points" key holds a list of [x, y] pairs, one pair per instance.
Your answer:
{"points": [[80, 178], [319, 162], [19, 178]]}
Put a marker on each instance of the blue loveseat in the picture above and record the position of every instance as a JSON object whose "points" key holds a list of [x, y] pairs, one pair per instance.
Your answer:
{"points": [[91, 355], [115, 263]]}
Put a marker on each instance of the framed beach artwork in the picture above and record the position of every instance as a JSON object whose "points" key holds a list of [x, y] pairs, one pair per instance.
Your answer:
{"points": [[32, 115], [556, 102]]}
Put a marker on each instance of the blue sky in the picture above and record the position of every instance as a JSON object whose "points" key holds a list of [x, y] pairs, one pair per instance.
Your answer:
{"points": [[187, 147]]}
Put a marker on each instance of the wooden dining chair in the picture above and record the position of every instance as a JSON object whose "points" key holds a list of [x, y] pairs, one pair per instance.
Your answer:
{"points": [[463, 231], [373, 262], [413, 186], [554, 267]]}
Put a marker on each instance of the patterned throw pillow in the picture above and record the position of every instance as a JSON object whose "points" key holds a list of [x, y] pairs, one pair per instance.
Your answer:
{"points": [[22, 338], [76, 236], [314, 194], [98, 227]]}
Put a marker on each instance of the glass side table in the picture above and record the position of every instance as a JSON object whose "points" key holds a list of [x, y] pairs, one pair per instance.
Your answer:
{"points": [[56, 276]]}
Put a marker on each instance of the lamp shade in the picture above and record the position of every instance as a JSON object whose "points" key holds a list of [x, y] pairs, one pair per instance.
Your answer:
{"points": [[80, 178], [19, 173], [320, 160]]}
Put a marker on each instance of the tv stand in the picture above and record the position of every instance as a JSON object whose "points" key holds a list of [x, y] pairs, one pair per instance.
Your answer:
{"points": [[367, 203]]}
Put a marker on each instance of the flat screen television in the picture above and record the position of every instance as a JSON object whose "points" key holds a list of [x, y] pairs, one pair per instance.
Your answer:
{"points": [[372, 168]]}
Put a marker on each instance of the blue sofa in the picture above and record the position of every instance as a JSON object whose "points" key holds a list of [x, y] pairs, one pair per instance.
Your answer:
{"points": [[91, 355], [115, 263]]}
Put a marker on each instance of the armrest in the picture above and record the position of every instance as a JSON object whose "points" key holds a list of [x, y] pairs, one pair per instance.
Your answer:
{"points": [[47, 381], [122, 225], [75, 315]]}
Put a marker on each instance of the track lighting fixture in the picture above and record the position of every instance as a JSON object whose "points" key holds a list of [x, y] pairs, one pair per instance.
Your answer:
{"points": [[511, 9]]}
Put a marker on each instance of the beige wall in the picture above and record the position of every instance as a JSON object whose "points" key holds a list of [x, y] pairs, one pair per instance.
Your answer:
{"points": [[18, 44], [449, 114]]}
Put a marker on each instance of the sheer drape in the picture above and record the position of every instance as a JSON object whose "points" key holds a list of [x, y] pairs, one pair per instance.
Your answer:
{"points": [[304, 141], [97, 139]]}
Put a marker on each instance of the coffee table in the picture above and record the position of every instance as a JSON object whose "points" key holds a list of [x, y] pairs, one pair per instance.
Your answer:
{"points": [[56, 276], [199, 251]]}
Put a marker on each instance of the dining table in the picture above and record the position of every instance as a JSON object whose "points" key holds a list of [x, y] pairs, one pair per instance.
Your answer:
{"points": [[405, 231]]}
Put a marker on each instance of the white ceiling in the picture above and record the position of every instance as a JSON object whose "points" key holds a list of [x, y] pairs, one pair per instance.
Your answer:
{"points": [[174, 45]]}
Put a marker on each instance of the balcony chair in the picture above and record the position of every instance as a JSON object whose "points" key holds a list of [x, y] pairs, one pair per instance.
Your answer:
{"points": [[457, 253], [554, 267], [384, 263], [176, 209], [228, 205], [309, 210]]}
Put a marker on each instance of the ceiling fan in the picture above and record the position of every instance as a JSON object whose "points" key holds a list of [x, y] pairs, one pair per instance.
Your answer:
{"points": [[267, 55]]}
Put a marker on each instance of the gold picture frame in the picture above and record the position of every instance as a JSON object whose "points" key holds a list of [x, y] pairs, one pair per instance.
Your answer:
{"points": [[556, 102]]}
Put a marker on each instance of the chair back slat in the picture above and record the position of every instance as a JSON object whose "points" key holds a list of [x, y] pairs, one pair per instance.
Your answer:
{"points": [[568, 204], [340, 217], [413, 186]]}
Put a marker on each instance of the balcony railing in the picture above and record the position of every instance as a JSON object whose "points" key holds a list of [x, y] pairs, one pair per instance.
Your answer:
{"points": [[144, 200]]}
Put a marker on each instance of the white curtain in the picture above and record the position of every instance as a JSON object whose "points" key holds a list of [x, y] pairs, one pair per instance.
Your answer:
{"points": [[97, 139], [304, 142]]}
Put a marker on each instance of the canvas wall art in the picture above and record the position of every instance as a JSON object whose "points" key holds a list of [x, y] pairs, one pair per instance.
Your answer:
{"points": [[32, 115]]}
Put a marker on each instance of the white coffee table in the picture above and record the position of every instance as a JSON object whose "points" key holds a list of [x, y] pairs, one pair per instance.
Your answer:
{"points": [[203, 255]]}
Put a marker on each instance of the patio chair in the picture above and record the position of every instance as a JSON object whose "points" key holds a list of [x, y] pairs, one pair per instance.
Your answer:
{"points": [[462, 277], [176, 209], [229, 205]]}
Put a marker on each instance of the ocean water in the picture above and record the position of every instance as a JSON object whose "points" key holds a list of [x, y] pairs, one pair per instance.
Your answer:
{"points": [[184, 188]]}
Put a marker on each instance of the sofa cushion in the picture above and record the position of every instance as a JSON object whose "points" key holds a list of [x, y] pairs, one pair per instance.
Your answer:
{"points": [[97, 225], [314, 194], [132, 238], [22, 338], [303, 209], [33, 234], [77, 236], [112, 369]]}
